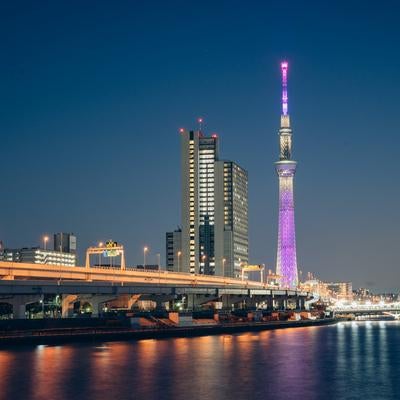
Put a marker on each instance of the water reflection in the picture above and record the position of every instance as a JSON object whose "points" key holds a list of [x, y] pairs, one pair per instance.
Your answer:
{"points": [[349, 360]]}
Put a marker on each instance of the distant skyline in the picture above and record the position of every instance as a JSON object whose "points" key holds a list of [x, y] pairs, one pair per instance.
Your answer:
{"points": [[93, 95]]}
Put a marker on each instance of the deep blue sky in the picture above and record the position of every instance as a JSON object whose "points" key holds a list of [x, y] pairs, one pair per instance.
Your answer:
{"points": [[92, 95]]}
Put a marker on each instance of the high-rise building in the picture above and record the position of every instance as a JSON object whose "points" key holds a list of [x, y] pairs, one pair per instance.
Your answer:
{"points": [[231, 219], [205, 245], [173, 250], [286, 263], [198, 155], [65, 242]]}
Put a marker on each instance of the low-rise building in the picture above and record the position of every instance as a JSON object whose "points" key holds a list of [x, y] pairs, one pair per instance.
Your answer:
{"points": [[36, 255]]}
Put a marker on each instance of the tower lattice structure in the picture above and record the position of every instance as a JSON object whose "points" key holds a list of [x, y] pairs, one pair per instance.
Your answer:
{"points": [[286, 262]]}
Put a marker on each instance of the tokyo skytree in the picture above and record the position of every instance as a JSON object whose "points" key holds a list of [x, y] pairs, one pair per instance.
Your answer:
{"points": [[286, 261]]}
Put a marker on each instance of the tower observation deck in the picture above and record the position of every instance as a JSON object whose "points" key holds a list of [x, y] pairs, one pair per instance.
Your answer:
{"points": [[286, 262]]}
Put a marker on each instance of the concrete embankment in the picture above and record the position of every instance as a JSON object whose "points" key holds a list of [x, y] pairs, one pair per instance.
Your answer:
{"points": [[101, 334]]}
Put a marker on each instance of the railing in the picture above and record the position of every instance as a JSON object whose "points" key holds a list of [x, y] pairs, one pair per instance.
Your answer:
{"points": [[366, 307]]}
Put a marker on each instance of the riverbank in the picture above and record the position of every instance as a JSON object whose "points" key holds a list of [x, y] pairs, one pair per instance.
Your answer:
{"points": [[105, 334]]}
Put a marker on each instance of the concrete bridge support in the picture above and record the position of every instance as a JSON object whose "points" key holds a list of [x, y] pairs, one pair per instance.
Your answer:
{"points": [[19, 303], [95, 300], [196, 301], [230, 301], [158, 299], [67, 305], [133, 299], [280, 303], [270, 303], [300, 303], [124, 301]]}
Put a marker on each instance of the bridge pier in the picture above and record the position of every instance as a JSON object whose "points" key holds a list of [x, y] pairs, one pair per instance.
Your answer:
{"points": [[250, 302], [96, 301], [19, 303], [300, 303], [230, 301], [158, 299], [67, 305], [280, 303], [195, 301], [270, 303]]}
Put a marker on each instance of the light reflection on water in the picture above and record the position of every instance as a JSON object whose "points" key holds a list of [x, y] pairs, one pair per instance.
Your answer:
{"points": [[346, 361]]}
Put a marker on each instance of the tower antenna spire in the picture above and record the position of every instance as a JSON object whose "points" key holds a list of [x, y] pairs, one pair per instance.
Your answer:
{"points": [[200, 121], [284, 69]]}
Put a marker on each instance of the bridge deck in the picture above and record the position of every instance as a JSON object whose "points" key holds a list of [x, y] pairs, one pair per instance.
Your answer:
{"points": [[49, 277]]}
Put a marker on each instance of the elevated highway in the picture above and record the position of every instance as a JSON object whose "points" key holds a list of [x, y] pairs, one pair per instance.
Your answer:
{"points": [[26, 271], [24, 283]]}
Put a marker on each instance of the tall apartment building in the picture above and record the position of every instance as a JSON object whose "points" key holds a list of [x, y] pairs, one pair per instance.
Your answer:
{"points": [[231, 218], [198, 155], [205, 248]]}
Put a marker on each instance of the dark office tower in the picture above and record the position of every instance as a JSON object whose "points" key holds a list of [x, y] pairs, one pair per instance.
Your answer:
{"points": [[173, 250], [65, 242], [231, 219]]}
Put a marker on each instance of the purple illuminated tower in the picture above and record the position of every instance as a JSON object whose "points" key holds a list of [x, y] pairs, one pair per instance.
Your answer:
{"points": [[286, 262]]}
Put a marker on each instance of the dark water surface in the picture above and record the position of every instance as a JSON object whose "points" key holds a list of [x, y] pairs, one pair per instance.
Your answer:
{"points": [[354, 360]]}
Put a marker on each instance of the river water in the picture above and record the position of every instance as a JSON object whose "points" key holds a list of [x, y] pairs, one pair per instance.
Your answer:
{"points": [[350, 360]]}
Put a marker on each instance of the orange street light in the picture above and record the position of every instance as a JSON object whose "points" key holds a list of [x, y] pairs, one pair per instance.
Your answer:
{"points": [[145, 250], [179, 260], [45, 240]]}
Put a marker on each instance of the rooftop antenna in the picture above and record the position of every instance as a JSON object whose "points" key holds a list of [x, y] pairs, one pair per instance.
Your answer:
{"points": [[200, 121], [284, 68]]}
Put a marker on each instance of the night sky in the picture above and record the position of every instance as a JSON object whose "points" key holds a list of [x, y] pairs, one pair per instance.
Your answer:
{"points": [[93, 94]]}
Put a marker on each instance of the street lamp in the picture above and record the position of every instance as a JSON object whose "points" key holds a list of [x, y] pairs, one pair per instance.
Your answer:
{"points": [[45, 240], [179, 260], [145, 250], [101, 244], [203, 259], [41, 301]]}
